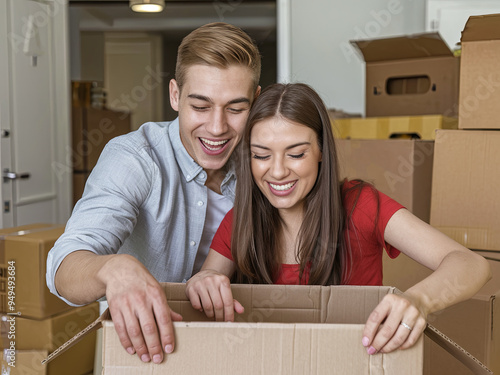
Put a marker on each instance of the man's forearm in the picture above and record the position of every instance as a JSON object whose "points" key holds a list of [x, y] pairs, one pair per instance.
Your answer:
{"points": [[77, 277]]}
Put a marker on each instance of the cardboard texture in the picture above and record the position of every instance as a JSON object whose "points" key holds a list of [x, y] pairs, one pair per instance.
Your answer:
{"points": [[49, 334], [480, 73], [284, 330], [27, 362], [92, 129], [401, 169], [27, 246], [465, 198], [410, 75], [474, 323], [420, 127]]}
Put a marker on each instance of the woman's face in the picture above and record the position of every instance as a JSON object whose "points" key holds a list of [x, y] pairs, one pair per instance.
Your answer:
{"points": [[285, 157]]}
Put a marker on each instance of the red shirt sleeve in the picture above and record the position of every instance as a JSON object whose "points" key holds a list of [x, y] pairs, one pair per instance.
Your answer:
{"points": [[365, 232], [222, 239]]}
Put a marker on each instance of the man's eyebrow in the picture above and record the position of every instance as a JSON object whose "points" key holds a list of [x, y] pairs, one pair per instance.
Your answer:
{"points": [[207, 99], [239, 100], [200, 97], [286, 148]]}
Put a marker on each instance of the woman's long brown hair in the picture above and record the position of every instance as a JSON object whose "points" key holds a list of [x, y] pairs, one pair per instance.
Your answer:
{"points": [[257, 226]]}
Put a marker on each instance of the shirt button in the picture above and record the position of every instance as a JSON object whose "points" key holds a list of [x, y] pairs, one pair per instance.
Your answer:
{"points": [[200, 203], [188, 176], [203, 175], [192, 243]]}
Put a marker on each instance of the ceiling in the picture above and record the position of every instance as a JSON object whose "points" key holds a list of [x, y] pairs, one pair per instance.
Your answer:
{"points": [[257, 17]]}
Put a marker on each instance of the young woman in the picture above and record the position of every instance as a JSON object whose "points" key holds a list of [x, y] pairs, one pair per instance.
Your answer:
{"points": [[295, 222]]}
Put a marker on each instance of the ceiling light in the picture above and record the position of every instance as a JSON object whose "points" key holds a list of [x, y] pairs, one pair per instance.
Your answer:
{"points": [[147, 6]]}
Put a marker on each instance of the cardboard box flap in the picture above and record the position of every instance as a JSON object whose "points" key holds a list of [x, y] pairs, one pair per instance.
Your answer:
{"points": [[94, 326], [485, 27], [457, 351], [402, 47], [362, 299]]}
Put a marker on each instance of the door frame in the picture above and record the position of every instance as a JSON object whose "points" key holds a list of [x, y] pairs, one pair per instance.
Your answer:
{"points": [[61, 166]]}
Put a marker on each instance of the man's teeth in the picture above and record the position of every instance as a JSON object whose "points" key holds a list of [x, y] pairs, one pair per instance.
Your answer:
{"points": [[282, 187], [212, 143]]}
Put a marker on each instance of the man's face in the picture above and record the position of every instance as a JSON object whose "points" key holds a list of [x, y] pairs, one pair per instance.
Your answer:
{"points": [[213, 106]]}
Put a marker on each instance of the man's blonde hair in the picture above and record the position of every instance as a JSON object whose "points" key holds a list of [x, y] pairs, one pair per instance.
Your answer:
{"points": [[217, 44]]}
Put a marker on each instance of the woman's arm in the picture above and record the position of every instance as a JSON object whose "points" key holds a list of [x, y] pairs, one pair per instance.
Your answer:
{"points": [[210, 290], [458, 274]]}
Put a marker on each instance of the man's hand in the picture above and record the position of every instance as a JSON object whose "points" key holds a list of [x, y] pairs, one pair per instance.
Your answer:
{"points": [[138, 306], [210, 291]]}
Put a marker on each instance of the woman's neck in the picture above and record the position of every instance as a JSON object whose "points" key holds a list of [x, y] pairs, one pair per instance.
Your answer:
{"points": [[289, 236]]}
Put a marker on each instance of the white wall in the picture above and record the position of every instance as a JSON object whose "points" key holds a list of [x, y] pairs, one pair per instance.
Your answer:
{"points": [[320, 51]]}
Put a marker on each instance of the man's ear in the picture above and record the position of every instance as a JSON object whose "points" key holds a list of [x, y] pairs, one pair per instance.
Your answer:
{"points": [[175, 94]]}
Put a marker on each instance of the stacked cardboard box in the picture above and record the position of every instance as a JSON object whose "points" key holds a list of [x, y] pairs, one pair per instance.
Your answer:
{"points": [[465, 200], [465, 194], [411, 90], [33, 321]]}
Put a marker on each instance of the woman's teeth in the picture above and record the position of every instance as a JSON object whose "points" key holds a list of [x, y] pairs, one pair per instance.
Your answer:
{"points": [[282, 187]]}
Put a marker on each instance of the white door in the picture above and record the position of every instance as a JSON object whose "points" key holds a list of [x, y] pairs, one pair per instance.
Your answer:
{"points": [[34, 112]]}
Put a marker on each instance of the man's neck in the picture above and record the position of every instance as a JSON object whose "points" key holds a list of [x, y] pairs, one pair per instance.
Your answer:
{"points": [[214, 179]]}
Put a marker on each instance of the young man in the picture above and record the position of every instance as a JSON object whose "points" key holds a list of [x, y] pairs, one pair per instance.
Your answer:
{"points": [[156, 197]]}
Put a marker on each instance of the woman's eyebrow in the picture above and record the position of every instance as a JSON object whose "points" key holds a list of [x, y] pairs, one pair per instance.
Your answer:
{"points": [[286, 148]]}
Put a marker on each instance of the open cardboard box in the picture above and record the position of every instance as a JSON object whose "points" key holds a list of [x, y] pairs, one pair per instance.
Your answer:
{"points": [[410, 75], [285, 330]]}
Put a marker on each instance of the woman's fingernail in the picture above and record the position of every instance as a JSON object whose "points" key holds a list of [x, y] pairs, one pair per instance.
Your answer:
{"points": [[169, 349], [157, 358], [371, 350], [145, 358], [365, 341], [130, 350]]}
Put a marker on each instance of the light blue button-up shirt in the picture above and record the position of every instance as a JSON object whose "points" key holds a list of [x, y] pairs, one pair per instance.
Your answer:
{"points": [[143, 199]]}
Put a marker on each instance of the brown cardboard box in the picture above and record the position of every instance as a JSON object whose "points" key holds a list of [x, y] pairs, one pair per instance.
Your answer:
{"points": [[23, 286], [49, 334], [420, 127], [26, 362], [480, 73], [474, 323], [410, 75], [401, 169], [92, 130], [285, 329], [465, 202], [79, 180]]}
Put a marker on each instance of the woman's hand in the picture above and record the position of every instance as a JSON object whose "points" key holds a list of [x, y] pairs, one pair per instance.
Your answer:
{"points": [[396, 323], [210, 291]]}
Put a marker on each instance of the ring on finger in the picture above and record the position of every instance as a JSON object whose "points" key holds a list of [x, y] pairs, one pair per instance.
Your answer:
{"points": [[406, 326]]}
